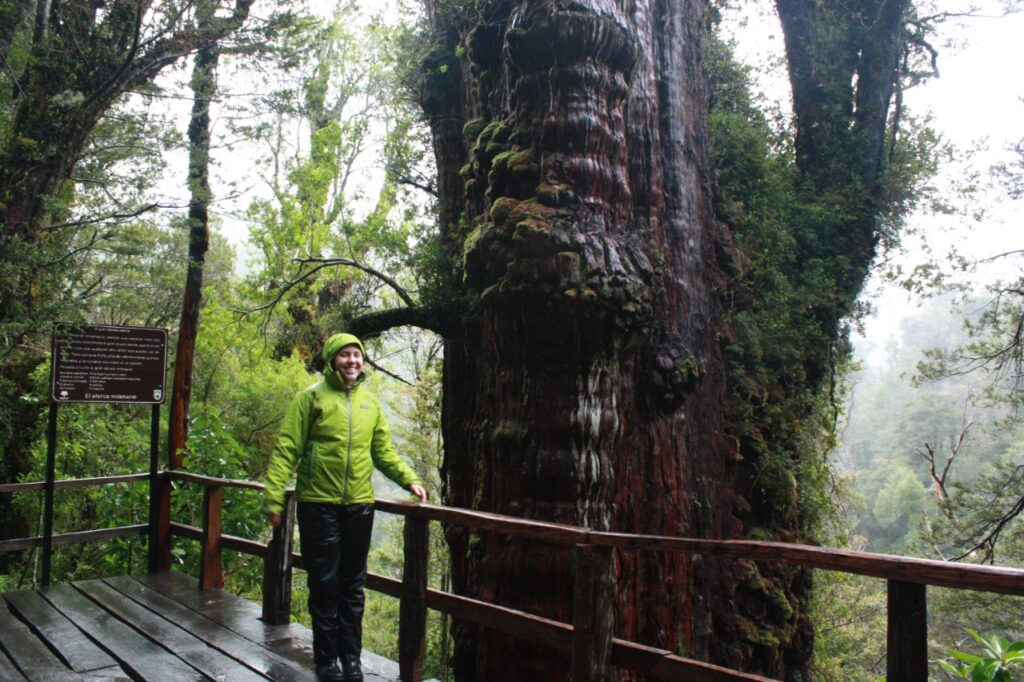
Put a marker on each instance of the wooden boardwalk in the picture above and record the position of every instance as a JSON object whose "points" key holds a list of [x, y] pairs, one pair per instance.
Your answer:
{"points": [[154, 627]]}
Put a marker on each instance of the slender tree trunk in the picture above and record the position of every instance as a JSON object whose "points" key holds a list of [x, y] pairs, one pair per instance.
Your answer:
{"points": [[204, 88], [588, 387]]}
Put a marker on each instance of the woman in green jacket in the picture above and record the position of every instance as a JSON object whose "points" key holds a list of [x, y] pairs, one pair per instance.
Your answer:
{"points": [[333, 435]]}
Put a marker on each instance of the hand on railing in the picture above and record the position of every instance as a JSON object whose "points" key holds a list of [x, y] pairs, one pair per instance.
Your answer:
{"points": [[274, 518], [419, 491]]}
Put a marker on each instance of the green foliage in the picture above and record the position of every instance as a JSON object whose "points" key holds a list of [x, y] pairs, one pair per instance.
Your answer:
{"points": [[320, 208], [779, 351], [996, 663], [93, 440], [900, 500], [981, 520], [849, 615]]}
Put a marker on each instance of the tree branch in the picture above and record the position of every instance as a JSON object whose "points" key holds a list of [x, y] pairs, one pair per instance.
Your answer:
{"points": [[324, 262], [406, 180], [391, 374], [102, 219], [375, 323]]}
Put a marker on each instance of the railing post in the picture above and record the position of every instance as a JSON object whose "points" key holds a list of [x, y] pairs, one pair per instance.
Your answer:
{"points": [[908, 632], [412, 618], [156, 529], [51, 458], [277, 568], [211, 571], [162, 553], [593, 611]]}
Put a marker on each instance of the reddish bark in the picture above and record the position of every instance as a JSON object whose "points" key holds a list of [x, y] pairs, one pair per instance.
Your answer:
{"points": [[588, 386]]}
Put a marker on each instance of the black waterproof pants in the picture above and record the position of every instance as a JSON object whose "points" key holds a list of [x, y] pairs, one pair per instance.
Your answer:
{"points": [[335, 541]]}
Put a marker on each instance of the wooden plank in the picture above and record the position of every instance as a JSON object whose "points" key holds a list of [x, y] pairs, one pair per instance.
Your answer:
{"points": [[28, 653], [243, 545], [18, 544], [248, 652], [412, 615], [236, 614], [59, 633], [111, 674], [184, 530], [8, 671], [297, 647], [664, 665], [657, 663], [99, 534], [200, 479], [25, 487], [555, 533], [184, 644], [907, 637], [136, 654], [159, 552], [905, 569], [593, 608]]}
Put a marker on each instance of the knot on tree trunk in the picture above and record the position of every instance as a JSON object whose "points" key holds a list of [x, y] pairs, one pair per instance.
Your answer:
{"points": [[675, 371], [557, 233]]}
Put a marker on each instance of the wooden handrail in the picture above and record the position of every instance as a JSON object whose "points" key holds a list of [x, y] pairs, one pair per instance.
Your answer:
{"points": [[211, 481], [71, 483], [888, 567]]}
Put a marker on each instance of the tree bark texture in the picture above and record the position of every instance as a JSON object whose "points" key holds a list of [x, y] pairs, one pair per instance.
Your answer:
{"points": [[586, 386]]}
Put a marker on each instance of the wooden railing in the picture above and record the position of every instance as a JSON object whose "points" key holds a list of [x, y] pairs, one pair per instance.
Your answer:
{"points": [[589, 637]]}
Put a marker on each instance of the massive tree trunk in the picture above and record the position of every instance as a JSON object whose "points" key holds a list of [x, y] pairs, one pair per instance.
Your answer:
{"points": [[587, 386], [588, 383]]}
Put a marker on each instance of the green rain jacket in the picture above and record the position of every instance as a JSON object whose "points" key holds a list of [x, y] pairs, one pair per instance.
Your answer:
{"points": [[333, 435]]}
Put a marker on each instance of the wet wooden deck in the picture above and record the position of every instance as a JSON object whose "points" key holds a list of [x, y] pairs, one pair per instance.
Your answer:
{"points": [[155, 627]]}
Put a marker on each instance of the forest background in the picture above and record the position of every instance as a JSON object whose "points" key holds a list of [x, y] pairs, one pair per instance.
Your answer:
{"points": [[321, 210]]}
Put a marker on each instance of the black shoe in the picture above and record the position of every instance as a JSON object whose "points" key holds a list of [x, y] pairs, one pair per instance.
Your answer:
{"points": [[330, 672], [351, 669]]}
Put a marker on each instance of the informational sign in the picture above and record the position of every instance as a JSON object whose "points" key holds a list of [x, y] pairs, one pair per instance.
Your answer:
{"points": [[106, 364]]}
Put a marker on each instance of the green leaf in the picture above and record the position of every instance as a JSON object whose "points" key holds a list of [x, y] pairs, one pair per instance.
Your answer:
{"points": [[965, 657], [958, 671]]}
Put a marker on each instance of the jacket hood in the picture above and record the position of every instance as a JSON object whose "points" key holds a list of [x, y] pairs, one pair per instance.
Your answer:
{"points": [[336, 343]]}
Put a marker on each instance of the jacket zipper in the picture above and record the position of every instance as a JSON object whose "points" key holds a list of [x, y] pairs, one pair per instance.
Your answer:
{"points": [[348, 458]]}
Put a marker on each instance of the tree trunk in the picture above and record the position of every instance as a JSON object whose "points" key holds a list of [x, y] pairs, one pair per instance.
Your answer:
{"points": [[588, 385], [204, 87]]}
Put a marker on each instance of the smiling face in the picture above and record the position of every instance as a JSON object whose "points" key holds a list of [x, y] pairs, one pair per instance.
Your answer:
{"points": [[349, 363]]}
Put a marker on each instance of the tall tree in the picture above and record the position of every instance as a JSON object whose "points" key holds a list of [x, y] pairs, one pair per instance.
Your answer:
{"points": [[588, 381], [204, 89]]}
